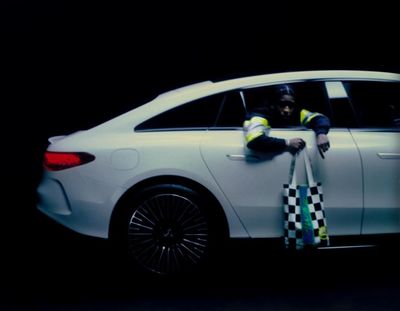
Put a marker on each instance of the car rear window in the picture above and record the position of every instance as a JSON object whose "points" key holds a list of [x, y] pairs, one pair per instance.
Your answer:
{"points": [[198, 114]]}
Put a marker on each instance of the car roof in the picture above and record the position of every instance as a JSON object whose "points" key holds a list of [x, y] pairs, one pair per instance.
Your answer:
{"points": [[276, 78], [296, 76], [170, 99]]}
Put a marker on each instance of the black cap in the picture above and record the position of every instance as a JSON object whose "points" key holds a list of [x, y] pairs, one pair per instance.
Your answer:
{"points": [[283, 89]]}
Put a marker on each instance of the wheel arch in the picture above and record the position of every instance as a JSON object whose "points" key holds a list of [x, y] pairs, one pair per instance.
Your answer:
{"points": [[118, 211]]}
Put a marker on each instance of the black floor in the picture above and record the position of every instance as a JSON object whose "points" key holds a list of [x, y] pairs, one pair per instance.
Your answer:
{"points": [[46, 267]]}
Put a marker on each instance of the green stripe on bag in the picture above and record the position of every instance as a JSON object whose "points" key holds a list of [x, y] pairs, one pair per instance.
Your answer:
{"points": [[306, 221]]}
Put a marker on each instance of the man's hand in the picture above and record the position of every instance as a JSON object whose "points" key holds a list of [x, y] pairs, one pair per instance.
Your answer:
{"points": [[296, 144], [322, 144]]}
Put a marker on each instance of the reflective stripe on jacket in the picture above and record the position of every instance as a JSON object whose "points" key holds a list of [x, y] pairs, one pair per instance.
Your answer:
{"points": [[256, 130], [255, 127], [306, 116]]}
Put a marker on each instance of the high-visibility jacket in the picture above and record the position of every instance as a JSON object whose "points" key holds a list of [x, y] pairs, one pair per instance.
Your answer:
{"points": [[257, 127]]}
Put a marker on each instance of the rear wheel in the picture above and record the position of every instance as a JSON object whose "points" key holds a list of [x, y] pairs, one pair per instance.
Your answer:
{"points": [[169, 230]]}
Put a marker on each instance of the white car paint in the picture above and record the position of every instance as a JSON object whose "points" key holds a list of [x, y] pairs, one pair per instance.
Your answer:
{"points": [[254, 182], [381, 180], [248, 189]]}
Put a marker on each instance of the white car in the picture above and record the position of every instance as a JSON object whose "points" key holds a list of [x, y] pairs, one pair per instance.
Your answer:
{"points": [[172, 179]]}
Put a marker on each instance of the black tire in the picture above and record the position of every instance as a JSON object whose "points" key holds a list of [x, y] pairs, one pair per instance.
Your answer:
{"points": [[169, 230]]}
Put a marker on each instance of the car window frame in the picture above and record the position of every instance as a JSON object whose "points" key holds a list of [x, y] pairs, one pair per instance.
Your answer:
{"points": [[175, 129], [328, 107]]}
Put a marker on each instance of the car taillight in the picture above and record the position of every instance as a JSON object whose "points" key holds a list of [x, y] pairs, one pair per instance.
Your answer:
{"points": [[56, 161]]}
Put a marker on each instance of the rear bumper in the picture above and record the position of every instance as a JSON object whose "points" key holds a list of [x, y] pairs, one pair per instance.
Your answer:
{"points": [[85, 206]]}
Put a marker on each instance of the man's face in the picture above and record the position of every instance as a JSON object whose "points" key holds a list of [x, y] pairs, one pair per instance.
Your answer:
{"points": [[286, 106]]}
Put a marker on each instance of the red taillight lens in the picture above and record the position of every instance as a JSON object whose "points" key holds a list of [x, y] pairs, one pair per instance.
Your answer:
{"points": [[56, 161]]}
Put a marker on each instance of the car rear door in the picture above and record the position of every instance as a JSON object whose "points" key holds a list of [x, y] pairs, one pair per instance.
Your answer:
{"points": [[253, 181]]}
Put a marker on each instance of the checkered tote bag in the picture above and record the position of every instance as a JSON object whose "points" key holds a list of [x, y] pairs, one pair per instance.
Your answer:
{"points": [[304, 214]]}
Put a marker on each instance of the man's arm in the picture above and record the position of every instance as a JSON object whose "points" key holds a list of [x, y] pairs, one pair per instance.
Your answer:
{"points": [[321, 126], [256, 131]]}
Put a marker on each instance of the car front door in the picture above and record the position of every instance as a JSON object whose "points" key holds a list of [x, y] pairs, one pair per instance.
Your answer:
{"points": [[253, 181]]}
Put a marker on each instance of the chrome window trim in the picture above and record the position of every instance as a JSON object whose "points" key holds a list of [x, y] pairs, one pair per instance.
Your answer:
{"points": [[377, 129], [177, 129]]}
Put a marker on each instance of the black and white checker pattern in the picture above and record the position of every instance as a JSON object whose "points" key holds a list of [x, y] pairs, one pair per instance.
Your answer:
{"points": [[317, 212], [292, 216]]}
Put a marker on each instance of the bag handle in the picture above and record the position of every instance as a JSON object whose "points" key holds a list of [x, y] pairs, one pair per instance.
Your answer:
{"points": [[292, 171], [307, 163], [309, 171]]}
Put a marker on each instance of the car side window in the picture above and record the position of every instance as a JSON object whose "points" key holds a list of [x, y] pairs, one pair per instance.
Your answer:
{"points": [[232, 111], [197, 114], [377, 104], [309, 95], [312, 96], [342, 110]]}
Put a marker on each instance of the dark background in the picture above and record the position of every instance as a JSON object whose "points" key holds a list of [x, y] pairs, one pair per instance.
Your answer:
{"points": [[71, 65], [67, 66]]}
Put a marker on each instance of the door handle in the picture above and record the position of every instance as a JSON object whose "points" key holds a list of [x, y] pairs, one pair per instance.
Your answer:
{"points": [[242, 157], [388, 155]]}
